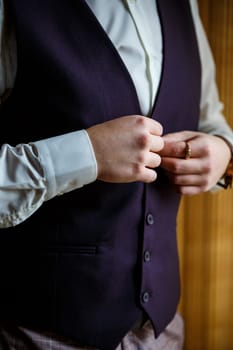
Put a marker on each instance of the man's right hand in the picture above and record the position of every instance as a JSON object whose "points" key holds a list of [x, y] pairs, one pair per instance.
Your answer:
{"points": [[126, 149]]}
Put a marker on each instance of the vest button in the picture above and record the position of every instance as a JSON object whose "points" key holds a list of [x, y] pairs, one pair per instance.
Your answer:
{"points": [[149, 219], [145, 297], [147, 256]]}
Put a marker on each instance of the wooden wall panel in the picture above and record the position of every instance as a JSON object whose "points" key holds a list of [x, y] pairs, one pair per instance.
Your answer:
{"points": [[205, 222]]}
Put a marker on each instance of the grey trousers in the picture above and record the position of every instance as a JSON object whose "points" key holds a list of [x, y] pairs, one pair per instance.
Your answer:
{"points": [[17, 338]]}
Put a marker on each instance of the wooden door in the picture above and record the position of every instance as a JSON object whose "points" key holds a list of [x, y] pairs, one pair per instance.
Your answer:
{"points": [[205, 222]]}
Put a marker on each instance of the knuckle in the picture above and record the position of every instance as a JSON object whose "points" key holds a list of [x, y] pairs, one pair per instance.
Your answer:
{"points": [[203, 188], [141, 158], [137, 170], [176, 168], [143, 140], [205, 185], [206, 149], [140, 121], [176, 180], [174, 148], [207, 168]]}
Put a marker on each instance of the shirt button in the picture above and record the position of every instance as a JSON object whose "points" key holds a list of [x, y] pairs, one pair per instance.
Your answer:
{"points": [[147, 256], [149, 219], [145, 297]]}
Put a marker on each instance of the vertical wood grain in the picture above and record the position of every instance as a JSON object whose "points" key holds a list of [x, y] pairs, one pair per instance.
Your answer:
{"points": [[205, 222]]}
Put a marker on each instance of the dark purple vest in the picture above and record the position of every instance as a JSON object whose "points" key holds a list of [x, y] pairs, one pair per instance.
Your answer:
{"points": [[87, 263]]}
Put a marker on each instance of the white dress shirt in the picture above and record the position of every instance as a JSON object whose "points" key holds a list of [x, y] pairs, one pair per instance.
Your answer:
{"points": [[44, 169]]}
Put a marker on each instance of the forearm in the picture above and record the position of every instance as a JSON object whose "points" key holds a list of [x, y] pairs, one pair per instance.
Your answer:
{"points": [[33, 173]]}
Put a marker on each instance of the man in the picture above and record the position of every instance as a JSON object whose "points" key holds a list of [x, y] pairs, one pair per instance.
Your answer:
{"points": [[104, 108]]}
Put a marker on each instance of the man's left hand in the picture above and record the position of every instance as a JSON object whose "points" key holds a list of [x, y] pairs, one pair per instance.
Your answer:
{"points": [[203, 166]]}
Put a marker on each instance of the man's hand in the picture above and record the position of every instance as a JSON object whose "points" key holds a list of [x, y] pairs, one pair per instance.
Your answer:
{"points": [[126, 149], [210, 156]]}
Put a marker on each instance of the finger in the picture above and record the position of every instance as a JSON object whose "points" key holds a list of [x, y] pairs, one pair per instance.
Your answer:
{"points": [[155, 127], [182, 149], [189, 190], [199, 147], [153, 161], [174, 149], [183, 166], [151, 175], [149, 124], [189, 180], [156, 143], [144, 174]]}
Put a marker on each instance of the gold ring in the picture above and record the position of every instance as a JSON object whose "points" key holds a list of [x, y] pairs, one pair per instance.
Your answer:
{"points": [[188, 150]]}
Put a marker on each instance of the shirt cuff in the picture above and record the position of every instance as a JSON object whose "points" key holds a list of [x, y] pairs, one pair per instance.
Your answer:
{"points": [[68, 162]]}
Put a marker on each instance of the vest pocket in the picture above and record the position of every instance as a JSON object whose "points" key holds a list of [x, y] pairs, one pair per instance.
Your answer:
{"points": [[79, 250]]}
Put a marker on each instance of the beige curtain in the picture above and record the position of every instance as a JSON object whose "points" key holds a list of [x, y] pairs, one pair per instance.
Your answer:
{"points": [[205, 222]]}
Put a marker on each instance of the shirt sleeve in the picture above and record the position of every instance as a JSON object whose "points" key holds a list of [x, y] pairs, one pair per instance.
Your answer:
{"points": [[33, 173], [211, 119], [36, 172]]}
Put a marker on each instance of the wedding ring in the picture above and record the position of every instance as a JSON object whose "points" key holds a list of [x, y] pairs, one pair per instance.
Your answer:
{"points": [[188, 150]]}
